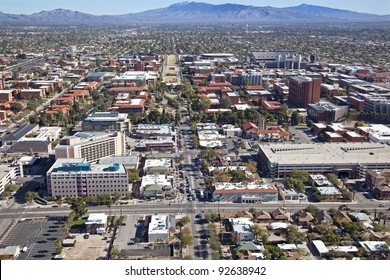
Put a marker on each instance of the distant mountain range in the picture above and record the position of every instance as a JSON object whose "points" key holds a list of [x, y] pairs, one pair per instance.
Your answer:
{"points": [[197, 12]]}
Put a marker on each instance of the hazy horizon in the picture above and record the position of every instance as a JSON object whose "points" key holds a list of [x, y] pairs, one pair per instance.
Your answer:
{"points": [[116, 7]]}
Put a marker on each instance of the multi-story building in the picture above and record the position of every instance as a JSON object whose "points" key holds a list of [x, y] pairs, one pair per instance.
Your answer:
{"points": [[7, 173], [251, 78], [78, 178], [370, 103], [107, 121], [345, 159], [161, 144], [326, 112], [304, 91], [91, 146], [378, 181], [6, 95], [250, 193]]}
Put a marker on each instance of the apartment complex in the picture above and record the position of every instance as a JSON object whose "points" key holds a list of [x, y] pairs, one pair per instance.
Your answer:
{"points": [[304, 91], [77, 178], [108, 122], [91, 146]]}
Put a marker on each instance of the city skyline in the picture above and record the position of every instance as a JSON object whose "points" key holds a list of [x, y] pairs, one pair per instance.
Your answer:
{"points": [[116, 7]]}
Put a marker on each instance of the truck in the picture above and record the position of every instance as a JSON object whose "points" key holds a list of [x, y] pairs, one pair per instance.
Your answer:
{"points": [[201, 195]]}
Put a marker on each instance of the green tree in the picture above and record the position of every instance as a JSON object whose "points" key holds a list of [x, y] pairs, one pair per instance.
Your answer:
{"points": [[183, 222], [226, 103], [295, 119], [312, 209], [216, 255], [30, 196], [211, 217], [333, 179], [16, 107], [300, 175], [186, 237], [259, 233], [133, 175], [79, 208], [293, 235], [295, 184]]}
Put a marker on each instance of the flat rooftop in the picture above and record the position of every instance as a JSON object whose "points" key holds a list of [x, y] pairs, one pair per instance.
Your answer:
{"points": [[162, 162], [234, 187], [106, 116], [158, 224], [80, 165], [327, 153]]}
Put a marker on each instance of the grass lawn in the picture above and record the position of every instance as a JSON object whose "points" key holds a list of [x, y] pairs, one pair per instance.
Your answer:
{"points": [[79, 223]]}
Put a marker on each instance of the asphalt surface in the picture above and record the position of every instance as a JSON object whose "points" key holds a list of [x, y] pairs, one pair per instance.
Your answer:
{"points": [[39, 236]]}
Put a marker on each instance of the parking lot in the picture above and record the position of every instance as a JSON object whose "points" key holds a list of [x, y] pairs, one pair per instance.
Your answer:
{"points": [[39, 236]]}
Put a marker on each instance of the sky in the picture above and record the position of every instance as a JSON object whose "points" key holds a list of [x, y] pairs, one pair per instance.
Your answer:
{"points": [[115, 7]]}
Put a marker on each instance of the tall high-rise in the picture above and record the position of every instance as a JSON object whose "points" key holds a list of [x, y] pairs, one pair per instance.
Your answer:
{"points": [[304, 91]]}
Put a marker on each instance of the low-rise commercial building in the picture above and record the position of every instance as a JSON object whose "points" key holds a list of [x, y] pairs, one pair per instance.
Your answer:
{"points": [[78, 178], [376, 133], [152, 131], [329, 193], [96, 223], [156, 186], [159, 228], [158, 166], [244, 193]]}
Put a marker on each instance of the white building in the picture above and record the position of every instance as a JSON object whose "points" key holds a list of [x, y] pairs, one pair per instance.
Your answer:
{"points": [[156, 186], [155, 130], [7, 173], [92, 146], [160, 166], [96, 223], [243, 232], [158, 231], [377, 132], [77, 178], [136, 76], [230, 130], [245, 193]]}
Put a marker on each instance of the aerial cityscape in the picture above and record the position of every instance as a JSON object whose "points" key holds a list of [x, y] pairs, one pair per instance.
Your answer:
{"points": [[195, 131]]}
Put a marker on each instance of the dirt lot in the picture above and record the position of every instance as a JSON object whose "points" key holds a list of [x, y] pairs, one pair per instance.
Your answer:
{"points": [[95, 247]]}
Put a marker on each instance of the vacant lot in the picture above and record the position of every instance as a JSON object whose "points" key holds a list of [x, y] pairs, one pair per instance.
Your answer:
{"points": [[93, 248]]}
